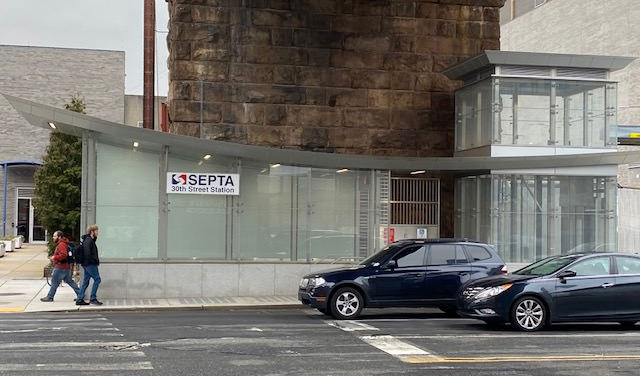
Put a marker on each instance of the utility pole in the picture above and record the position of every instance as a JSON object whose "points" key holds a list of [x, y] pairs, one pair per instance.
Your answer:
{"points": [[149, 63]]}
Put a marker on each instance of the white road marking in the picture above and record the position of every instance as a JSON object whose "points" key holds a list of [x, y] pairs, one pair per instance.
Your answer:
{"points": [[255, 330], [133, 366], [45, 345], [393, 346], [27, 320], [351, 326], [44, 329]]}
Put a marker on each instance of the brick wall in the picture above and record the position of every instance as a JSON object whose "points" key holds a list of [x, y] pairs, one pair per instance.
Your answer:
{"points": [[51, 76], [348, 76]]}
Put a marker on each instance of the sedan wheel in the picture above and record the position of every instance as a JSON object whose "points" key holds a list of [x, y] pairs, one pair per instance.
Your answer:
{"points": [[346, 303], [528, 314]]}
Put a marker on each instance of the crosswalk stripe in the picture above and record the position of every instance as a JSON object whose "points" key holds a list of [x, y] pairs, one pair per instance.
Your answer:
{"points": [[351, 326], [133, 366], [45, 329], [393, 346]]}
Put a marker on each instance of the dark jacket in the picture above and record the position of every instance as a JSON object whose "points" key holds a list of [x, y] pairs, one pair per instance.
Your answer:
{"points": [[89, 251], [60, 255]]}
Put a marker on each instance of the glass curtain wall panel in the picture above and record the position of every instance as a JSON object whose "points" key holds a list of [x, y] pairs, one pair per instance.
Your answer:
{"points": [[532, 217], [474, 111], [263, 213], [524, 106], [127, 202], [327, 209], [198, 222]]}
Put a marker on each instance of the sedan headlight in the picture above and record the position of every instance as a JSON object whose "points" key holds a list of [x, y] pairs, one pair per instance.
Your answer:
{"points": [[317, 281], [492, 291]]}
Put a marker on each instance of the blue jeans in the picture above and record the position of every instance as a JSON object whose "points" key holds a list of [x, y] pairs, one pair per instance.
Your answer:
{"points": [[58, 275], [90, 272]]}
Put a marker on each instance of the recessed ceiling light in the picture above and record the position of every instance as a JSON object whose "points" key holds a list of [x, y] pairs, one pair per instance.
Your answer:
{"points": [[342, 170], [417, 172], [53, 126], [206, 157], [275, 165], [136, 144]]}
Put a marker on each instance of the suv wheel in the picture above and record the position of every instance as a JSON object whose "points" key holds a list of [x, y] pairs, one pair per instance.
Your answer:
{"points": [[346, 303], [528, 314]]}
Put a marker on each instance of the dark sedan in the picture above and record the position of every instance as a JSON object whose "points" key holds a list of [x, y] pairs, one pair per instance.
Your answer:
{"points": [[408, 273], [578, 287]]}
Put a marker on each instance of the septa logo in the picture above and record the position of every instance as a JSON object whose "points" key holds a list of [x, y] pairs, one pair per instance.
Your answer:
{"points": [[179, 179]]}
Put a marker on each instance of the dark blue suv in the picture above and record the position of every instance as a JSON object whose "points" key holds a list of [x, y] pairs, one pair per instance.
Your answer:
{"points": [[407, 273]]}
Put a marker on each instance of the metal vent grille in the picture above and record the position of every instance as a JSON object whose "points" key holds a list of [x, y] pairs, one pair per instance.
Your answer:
{"points": [[415, 201], [596, 74], [364, 214], [26, 192], [383, 191], [516, 70]]}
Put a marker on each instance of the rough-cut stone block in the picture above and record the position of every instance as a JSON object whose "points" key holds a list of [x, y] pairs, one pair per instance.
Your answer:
{"points": [[316, 96], [356, 59], [278, 18], [356, 24], [251, 73], [210, 91], [268, 94], [243, 113], [367, 43], [403, 80], [208, 51], [282, 37], [180, 89], [242, 34], [311, 76], [266, 135], [181, 50], [195, 70], [185, 129], [402, 43], [393, 25], [318, 38], [225, 132], [275, 114], [273, 55], [401, 99], [215, 15], [195, 111], [427, 10], [315, 116], [366, 118], [378, 98], [284, 74], [346, 98], [371, 79]]}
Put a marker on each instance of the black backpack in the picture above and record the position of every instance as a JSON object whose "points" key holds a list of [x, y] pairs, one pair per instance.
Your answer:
{"points": [[75, 254]]}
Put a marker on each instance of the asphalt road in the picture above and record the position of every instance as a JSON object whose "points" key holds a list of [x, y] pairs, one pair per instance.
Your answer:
{"points": [[304, 342]]}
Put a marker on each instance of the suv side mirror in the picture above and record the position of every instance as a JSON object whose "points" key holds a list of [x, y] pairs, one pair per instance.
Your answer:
{"points": [[566, 274], [392, 264]]}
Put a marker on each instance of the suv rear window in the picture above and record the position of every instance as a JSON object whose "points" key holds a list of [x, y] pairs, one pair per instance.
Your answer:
{"points": [[445, 254], [478, 253]]}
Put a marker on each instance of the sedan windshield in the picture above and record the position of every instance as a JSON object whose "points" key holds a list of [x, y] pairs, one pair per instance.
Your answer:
{"points": [[379, 256], [547, 266]]}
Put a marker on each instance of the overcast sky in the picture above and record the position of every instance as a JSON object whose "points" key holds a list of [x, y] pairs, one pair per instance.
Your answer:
{"points": [[96, 24]]}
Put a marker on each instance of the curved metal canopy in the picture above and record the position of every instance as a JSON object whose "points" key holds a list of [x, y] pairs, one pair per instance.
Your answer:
{"points": [[76, 124]]}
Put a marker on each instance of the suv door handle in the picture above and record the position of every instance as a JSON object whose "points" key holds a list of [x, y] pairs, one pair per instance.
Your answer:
{"points": [[605, 285], [418, 274]]}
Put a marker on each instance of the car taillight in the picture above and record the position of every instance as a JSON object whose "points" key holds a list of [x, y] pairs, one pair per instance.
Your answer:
{"points": [[504, 270]]}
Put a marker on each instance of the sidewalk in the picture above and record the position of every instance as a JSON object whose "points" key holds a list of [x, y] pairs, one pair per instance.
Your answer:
{"points": [[22, 286]]}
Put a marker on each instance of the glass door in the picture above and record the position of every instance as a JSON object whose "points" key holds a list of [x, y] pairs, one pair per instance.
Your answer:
{"points": [[29, 224], [24, 219]]}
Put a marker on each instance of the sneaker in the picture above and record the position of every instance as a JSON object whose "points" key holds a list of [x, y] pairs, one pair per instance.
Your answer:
{"points": [[46, 299], [95, 301], [81, 302]]}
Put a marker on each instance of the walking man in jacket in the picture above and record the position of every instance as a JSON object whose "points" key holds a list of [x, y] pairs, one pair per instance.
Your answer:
{"points": [[61, 266], [90, 262]]}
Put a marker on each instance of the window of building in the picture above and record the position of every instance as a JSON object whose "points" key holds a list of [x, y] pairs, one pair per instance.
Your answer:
{"points": [[412, 256], [530, 217]]}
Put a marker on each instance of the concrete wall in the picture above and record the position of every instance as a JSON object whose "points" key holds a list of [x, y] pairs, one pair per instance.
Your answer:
{"points": [[599, 27], [133, 105], [347, 76], [52, 76], [202, 280]]}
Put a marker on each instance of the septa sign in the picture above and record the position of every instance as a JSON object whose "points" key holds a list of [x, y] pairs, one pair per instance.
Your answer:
{"points": [[205, 184]]}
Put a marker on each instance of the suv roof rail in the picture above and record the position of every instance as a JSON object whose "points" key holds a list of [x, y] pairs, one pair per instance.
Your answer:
{"points": [[438, 240]]}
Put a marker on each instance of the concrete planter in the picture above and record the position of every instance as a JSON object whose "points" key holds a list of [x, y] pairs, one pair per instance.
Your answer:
{"points": [[17, 242], [8, 245]]}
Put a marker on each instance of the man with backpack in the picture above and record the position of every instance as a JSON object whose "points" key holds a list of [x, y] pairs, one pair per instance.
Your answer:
{"points": [[90, 262], [61, 266]]}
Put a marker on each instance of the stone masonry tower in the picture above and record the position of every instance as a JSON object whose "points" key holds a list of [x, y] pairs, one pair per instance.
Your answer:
{"points": [[344, 76]]}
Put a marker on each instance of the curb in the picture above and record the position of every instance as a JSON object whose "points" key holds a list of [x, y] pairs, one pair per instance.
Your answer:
{"points": [[186, 308]]}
